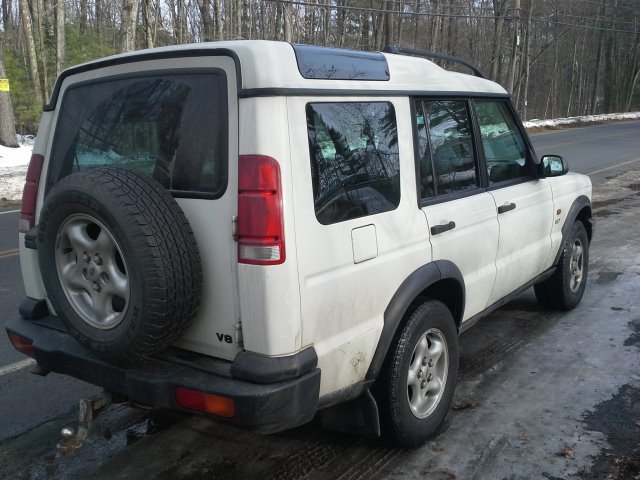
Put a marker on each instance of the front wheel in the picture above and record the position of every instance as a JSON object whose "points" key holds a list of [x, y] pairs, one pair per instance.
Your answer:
{"points": [[418, 379], [564, 289]]}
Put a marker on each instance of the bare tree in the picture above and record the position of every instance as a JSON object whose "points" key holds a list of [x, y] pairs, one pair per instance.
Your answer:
{"points": [[128, 27], [60, 37], [31, 50], [7, 123]]}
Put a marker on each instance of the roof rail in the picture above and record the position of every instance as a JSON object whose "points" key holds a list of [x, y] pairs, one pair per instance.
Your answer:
{"points": [[425, 54]]}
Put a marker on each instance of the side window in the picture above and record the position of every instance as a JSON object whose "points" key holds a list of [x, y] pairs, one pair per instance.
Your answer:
{"points": [[451, 146], [354, 159], [505, 149]]}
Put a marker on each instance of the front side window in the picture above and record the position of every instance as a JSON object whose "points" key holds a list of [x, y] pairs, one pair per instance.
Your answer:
{"points": [[355, 165], [450, 146], [505, 149], [172, 127]]}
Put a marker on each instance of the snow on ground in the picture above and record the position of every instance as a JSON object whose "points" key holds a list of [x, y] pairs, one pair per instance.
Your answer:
{"points": [[13, 168], [561, 122], [14, 161]]}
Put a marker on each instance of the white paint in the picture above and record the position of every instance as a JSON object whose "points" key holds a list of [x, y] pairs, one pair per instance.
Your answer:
{"points": [[14, 367], [617, 165], [10, 211]]}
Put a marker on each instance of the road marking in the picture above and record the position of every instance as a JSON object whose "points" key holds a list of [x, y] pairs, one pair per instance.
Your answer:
{"points": [[10, 253], [593, 172], [10, 211], [14, 367]]}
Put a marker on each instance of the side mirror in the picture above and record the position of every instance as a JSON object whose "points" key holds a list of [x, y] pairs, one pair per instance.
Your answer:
{"points": [[553, 166]]}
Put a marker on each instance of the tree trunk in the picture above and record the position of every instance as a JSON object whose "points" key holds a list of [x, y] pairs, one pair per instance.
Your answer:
{"points": [[205, 15], [7, 15], [38, 12], [217, 11], [128, 27], [82, 21], [7, 125], [148, 31], [494, 72], [286, 29], [31, 51], [60, 37]]}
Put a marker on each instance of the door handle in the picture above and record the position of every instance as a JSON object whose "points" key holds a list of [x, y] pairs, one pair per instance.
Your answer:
{"points": [[436, 229], [506, 208]]}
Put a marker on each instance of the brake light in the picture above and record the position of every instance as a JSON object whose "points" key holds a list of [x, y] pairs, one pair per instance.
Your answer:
{"points": [[30, 194], [260, 226], [22, 344], [205, 402]]}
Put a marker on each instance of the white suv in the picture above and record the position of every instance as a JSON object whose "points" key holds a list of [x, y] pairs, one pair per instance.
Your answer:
{"points": [[261, 231]]}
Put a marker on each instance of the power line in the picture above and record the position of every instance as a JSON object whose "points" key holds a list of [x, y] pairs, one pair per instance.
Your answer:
{"points": [[451, 15], [380, 10]]}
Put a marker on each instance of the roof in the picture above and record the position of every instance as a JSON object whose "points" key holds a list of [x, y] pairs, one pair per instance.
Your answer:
{"points": [[277, 65]]}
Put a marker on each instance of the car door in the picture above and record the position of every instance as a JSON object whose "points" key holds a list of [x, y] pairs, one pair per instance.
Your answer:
{"points": [[460, 213], [359, 233], [523, 202]]}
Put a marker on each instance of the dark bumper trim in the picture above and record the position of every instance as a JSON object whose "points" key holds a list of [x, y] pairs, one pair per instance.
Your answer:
{"points": [[266, 408]]}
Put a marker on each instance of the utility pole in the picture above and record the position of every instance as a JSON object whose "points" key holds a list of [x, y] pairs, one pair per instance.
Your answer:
{"points": [[516, 43]]}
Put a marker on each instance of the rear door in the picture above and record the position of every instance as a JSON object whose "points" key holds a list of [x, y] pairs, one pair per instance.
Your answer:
{"points": [[523, 202], [461, 214], [359, 232], [174, 120]]}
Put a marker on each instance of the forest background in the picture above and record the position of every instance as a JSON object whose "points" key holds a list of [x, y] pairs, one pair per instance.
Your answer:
{"points": [[556, 57]]}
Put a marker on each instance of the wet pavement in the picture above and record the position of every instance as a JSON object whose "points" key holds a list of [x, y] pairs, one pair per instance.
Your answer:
{"points": [[540, 395]]}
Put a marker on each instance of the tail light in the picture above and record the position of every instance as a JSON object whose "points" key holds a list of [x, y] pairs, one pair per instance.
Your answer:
{"points": [[30, 194], [260, 220]]}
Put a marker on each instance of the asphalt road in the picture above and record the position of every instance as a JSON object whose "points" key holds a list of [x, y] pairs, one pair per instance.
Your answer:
{"points": [[599, 151], [519, 338], [26, 400]]}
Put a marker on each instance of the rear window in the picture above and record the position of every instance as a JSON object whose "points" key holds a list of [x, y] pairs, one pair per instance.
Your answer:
{"points": [[169, 126]]}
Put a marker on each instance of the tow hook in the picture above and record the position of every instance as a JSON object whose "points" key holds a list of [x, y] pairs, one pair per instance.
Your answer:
{"points": [[72, 439]]}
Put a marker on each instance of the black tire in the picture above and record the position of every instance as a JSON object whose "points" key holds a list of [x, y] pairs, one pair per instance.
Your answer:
{"points": [[402, 418], [119, 262], [564, 289]]}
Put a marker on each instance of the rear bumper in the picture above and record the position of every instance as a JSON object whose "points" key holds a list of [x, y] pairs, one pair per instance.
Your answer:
{"points": [[264, 407]]}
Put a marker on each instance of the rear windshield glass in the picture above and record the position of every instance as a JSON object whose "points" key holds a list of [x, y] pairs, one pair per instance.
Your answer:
{"points": [[169, 126]]}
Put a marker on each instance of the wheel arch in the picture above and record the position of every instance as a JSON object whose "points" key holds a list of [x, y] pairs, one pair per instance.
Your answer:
{"points": [[580, 211], [439, 280]]}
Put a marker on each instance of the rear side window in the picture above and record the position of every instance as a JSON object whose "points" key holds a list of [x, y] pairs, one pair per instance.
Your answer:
{"points": [[354, 159], [169, 126], [445, 145]]}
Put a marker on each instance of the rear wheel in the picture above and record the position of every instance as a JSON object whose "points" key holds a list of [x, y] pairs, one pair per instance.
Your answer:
{"points": [[418, 379], [565, 288]]}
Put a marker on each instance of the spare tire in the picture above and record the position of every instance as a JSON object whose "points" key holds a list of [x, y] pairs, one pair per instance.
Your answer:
{"points": [[119, 262]]}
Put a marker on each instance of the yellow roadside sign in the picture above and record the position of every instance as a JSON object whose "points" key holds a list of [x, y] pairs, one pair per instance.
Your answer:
{"points": [[4, 84]]}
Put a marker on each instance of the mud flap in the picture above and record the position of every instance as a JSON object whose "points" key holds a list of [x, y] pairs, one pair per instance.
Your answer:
{"points": [[358, 416]]}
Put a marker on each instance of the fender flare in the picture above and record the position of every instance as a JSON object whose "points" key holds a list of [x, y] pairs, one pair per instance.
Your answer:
{"points": [[402, 299], [577, 206]]}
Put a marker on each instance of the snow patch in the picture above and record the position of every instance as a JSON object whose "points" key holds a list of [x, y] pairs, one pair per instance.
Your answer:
{"points": [[13, 168], [558, 122]]}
